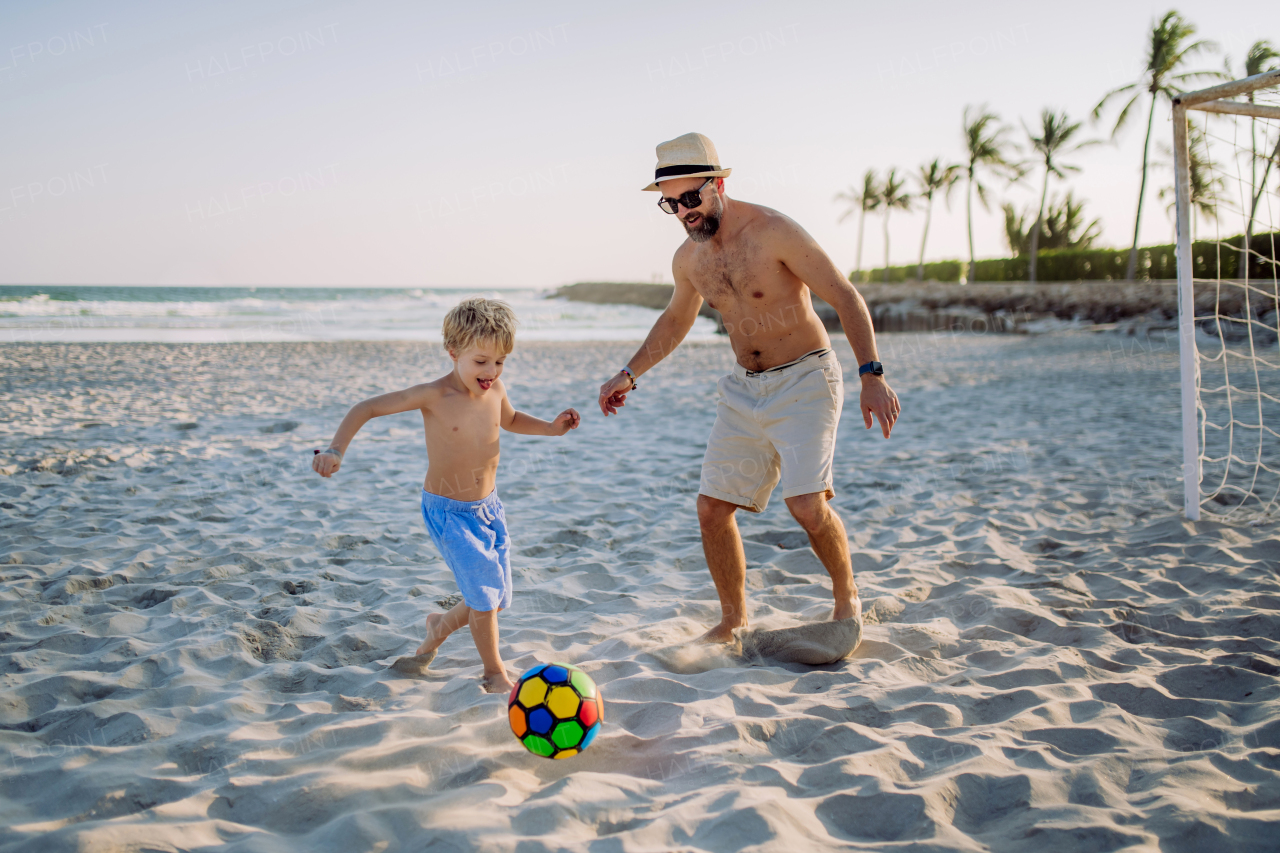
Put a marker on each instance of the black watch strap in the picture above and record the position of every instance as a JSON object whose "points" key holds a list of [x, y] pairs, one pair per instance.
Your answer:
{"points": [[873, 367]]}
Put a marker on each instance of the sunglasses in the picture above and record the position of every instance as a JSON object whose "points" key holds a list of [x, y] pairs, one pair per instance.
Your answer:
{"points": [[690, 200]]}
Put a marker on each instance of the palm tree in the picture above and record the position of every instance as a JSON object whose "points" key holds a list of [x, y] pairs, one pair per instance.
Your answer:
{"points": [[986, 148], [1065, 228], [1260, 58], [1015, 230], [1056, 131], [933, 178], [1257, 197], [1168, 48], [860, 201], [1205, 186], [891, 196], [1062, 226]]}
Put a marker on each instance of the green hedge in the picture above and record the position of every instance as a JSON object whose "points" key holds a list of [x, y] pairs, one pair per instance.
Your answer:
{"points": [[1212, 260]]}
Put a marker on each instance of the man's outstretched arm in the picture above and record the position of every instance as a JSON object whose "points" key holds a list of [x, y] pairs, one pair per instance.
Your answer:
{"points": [[804, 257], [667, 333]]}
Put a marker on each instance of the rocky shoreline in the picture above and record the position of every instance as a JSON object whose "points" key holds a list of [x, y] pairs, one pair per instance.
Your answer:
{"points": [[933, 306]]}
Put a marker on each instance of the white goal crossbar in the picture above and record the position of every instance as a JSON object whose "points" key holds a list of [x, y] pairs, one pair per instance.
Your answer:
{"points": [[1216, 99]]}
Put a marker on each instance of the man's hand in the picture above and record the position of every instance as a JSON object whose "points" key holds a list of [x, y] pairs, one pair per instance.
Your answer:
{"points": [[326, 462], [879, 398], [613, 394], [565, 421]]}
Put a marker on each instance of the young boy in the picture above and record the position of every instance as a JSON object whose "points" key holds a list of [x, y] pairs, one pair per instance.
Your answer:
{"points": [[462, 412]]}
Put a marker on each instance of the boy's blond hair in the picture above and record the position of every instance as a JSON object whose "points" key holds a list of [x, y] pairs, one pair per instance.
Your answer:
{"points": [[478, 320]]}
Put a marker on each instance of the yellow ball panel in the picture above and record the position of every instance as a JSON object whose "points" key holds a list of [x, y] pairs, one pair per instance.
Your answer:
{"points": [[532, 692], [563, 703], [566, 753]]}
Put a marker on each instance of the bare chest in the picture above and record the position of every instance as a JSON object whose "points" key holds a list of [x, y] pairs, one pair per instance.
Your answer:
{"points": [[728, 275], [466, 424], [743, 279]]}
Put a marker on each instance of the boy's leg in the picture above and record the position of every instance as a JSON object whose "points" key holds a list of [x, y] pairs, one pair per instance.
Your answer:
{"points": [[484, 631], [441, 625]]}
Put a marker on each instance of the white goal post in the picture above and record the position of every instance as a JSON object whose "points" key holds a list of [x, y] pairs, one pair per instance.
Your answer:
{"points": [[1231, 453]]}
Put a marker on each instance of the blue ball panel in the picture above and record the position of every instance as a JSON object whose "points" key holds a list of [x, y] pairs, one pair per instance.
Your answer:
{"points": [[537, 669], [555, 674], [540, 721], [590, 736]]}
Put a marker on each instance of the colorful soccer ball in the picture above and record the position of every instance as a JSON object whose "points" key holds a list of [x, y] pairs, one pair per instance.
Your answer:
{"points": [[555, 710]]}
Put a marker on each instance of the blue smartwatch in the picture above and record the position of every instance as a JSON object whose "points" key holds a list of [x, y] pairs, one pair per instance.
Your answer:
{"points": [[875, 368]]}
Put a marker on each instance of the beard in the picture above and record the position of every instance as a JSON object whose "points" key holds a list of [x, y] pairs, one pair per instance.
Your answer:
{"points": [[707, 226]]}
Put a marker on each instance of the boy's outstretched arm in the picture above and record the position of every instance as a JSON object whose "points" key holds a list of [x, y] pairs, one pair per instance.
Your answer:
{"points": [[526, 424], [327, 463]]}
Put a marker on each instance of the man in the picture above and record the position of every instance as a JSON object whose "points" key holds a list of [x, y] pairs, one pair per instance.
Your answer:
{"points": [[778, 411]]}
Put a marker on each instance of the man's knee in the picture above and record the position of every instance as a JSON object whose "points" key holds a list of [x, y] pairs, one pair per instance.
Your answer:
{"points": [[713, 512], [810, 510]]}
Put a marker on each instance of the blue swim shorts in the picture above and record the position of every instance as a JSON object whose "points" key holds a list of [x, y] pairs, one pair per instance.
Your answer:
{"points": [[472, 538]]}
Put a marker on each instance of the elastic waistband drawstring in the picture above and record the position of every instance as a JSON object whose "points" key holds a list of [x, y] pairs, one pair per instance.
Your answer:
{"points": [[793, 363], [486, 508]]}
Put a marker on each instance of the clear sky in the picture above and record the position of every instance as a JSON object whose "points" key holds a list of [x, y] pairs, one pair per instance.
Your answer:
{"points": [[505, 144]]}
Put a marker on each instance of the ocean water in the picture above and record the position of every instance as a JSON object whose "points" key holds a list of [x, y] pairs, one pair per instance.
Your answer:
{"points": [[238, 314]]}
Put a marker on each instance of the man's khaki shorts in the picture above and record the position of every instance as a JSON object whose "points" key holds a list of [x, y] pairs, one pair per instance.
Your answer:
{"points": [[775, 426]]}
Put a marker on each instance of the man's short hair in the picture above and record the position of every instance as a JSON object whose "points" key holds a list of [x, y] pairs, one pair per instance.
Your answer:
{"points": [[478, 320]]}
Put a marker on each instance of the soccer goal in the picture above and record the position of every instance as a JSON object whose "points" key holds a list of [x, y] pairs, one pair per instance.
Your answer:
{"points": [[1226, 146]]}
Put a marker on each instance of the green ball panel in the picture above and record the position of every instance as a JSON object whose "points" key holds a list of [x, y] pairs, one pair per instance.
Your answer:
{"points": [[582, 683], [567, 734], [539, 746]]}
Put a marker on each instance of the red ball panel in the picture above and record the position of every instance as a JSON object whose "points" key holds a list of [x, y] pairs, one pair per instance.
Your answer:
{"points": [[589, 713]]}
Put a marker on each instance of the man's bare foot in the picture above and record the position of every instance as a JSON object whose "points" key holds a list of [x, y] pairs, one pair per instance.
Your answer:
{"points": [[497, 683], [431, 643], [722, 633], [414, 664], [849, 609]]}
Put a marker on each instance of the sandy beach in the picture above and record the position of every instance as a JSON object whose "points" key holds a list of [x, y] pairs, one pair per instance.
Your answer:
{"points": [[197, 629]]}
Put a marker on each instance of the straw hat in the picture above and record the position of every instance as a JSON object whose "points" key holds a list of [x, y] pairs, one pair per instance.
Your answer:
{"points": [[688, 156]]}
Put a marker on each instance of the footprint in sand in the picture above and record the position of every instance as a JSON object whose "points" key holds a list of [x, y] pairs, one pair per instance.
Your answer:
{"points": [[413, 664], [813, 644]]}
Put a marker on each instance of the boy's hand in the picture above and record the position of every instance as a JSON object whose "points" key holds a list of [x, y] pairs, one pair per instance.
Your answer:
{"points": [[565, 421], [326, 463]]}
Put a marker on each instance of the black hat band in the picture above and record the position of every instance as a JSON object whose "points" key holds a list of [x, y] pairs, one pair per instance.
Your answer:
{"points": [[676, 171]]}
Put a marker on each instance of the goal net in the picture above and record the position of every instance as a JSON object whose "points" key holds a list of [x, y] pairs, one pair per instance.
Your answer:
{"points": [[1227, 202]]}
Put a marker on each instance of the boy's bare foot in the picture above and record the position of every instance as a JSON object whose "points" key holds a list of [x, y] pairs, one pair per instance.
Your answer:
{"points": [[722, 633], [431, 643], [414, 664], [497, 683]]}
